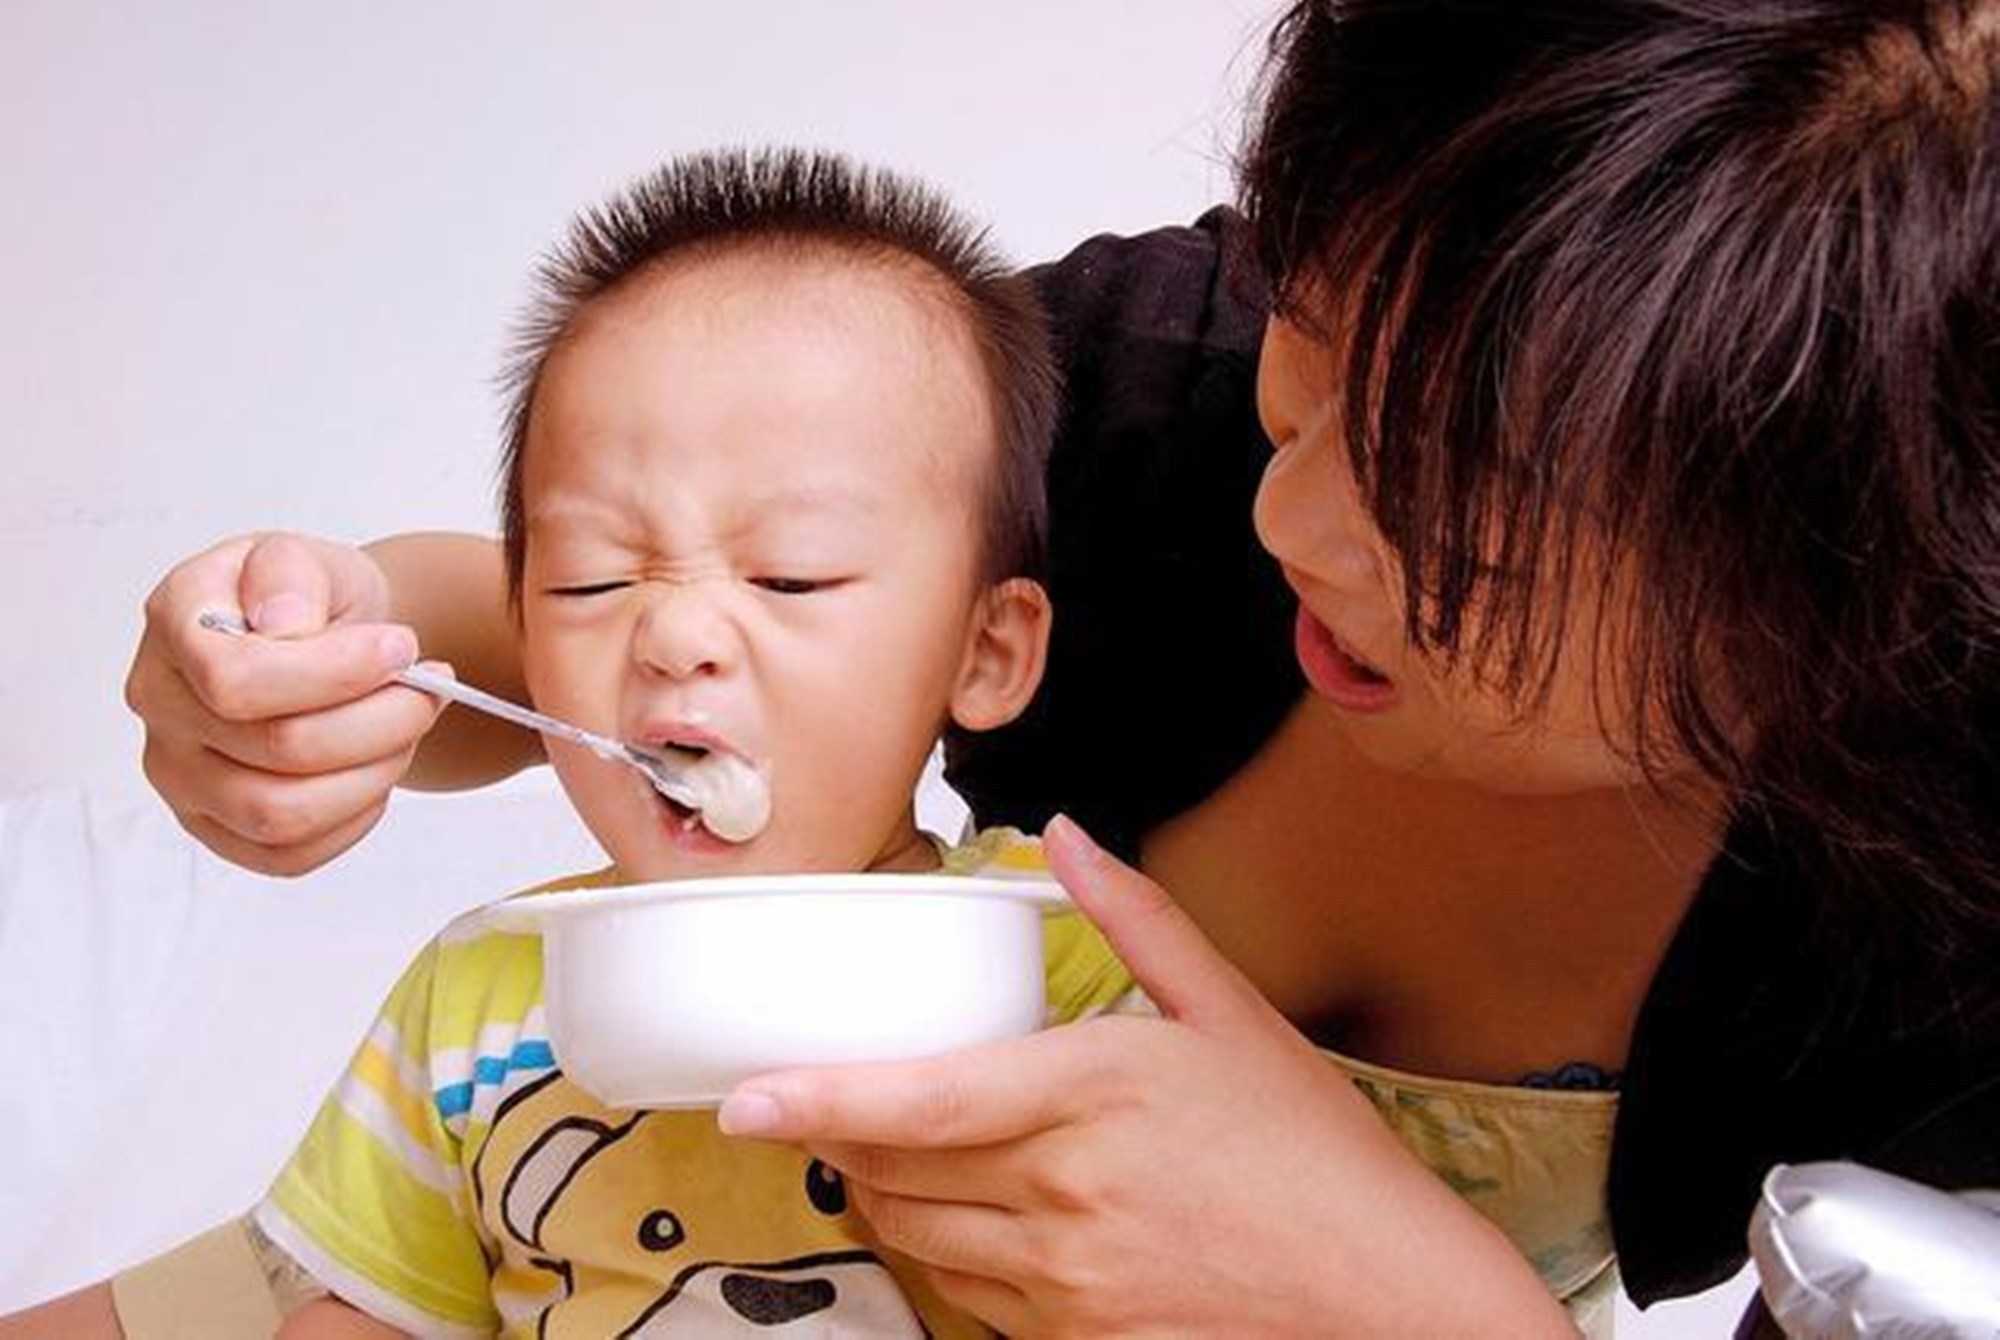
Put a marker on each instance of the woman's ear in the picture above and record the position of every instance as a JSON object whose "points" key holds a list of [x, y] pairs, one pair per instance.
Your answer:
{"points": [[1006, 648]]}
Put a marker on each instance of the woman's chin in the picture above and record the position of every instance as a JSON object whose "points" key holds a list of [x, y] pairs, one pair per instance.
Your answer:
{"points": [[1500, 763]]}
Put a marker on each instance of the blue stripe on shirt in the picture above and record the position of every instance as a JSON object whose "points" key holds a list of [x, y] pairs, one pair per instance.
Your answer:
{"points": [[456, 1099]]}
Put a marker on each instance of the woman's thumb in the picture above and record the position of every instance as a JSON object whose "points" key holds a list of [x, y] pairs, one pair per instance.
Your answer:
{"points": [[1186, 976], [294, 586]]}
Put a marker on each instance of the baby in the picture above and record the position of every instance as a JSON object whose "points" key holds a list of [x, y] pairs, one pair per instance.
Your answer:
{"points": [[773, 489]]}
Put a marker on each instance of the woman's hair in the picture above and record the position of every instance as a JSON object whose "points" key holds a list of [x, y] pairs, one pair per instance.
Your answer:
{"points": [[821, 208], [1687, 312]]}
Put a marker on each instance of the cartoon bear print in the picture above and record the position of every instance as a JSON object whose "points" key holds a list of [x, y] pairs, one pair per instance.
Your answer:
{"points": [[654, 1223]]}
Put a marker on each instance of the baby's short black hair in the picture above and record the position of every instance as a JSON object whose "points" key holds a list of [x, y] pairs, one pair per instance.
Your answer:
{"points": [[805, 201]]}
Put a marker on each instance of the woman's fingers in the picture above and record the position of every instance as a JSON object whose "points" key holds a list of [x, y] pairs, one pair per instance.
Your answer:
{"points": [[277, 750], [974, 1097], [1185, 975], [317, 608], [293, 584], [969, 1253], [1006, 1091], [256, 678], [286, 860], [274, 823], [276, 811], [970, 1175], [999, 1304], [949, 1235], [353, 732]]}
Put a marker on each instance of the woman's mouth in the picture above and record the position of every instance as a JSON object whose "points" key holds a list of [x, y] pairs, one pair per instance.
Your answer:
{"points": [[1337, 674]]}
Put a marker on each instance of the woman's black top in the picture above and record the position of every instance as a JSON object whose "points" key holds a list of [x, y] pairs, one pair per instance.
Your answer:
{"points": [[1171, 663]]}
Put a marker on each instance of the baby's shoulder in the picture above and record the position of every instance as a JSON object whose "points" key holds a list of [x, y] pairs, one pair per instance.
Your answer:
{"points": [[481, 971], [997, 852], [1083, 975]]}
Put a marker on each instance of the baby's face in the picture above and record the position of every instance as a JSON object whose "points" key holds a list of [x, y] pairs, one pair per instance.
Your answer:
{"points": [[749, 497]]}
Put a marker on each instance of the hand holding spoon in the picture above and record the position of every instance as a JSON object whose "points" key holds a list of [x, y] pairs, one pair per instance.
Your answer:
{"points": [[730, 795]]}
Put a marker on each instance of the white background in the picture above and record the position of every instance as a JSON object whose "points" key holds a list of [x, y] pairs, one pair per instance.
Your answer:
{"points": [[259, 259], [258, 263]]}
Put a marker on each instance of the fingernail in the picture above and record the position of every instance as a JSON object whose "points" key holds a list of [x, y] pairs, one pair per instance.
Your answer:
{"points": [[281, 615], [397, 648], [1069, 833], [748, 1112]]}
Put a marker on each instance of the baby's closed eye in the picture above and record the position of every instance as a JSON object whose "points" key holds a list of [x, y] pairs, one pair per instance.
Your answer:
{"points": [[588, 588], [797, 586]]}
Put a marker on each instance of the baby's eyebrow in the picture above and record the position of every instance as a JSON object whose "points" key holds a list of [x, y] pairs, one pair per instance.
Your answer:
{"points": [[566, 509], [791, 508], [781, 499], [815, 499]]}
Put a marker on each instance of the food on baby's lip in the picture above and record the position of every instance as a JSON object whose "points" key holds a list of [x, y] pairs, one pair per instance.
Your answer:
{"points": [[732, 797]]}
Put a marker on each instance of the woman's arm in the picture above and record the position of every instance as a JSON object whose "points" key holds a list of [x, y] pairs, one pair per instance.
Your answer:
{"points": [[1206, 1172], [331, 1319], [87, 1314], [280, 751], [452, 589]]}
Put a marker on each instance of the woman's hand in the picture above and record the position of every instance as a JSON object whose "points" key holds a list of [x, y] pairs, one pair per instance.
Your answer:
{"points": [[1207, 1172], [277, 751]]}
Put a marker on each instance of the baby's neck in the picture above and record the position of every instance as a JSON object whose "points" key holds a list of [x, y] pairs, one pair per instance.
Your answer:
{"points": [[913, 852]]}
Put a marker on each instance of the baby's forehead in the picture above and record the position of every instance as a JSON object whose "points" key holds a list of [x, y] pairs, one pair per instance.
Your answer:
{"points": [[893, 317], [808, 281], [805, 343]]}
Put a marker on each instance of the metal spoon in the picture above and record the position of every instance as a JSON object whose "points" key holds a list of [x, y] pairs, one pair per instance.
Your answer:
{"points": [[668, 770]]}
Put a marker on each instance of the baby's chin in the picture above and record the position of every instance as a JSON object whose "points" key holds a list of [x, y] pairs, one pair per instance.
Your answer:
{"points": [[680, 851], [651, 842], [647, 848], [699, 854]]}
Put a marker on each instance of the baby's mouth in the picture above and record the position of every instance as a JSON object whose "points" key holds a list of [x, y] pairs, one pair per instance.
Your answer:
{"points": [[731, 797], [684, 815], [683, 754]]}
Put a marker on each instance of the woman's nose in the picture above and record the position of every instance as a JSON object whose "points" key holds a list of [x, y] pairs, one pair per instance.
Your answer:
{"points": [[685, 632], [1308, 513]]}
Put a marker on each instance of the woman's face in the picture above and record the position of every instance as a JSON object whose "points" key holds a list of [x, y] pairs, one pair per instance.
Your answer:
{"points": [[1403, 708]]}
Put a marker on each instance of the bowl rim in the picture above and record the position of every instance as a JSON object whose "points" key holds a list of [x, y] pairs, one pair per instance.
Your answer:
{"points": [[533, 912]]}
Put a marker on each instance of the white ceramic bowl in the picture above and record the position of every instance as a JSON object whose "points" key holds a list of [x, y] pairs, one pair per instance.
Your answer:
{"points": [[669, 994]]}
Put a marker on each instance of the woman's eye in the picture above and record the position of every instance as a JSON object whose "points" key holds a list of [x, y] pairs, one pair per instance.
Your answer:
{"points": [[587, 588]]}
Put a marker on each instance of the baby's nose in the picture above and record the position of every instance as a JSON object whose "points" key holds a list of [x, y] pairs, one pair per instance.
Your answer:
{"points": [[686, 631]]}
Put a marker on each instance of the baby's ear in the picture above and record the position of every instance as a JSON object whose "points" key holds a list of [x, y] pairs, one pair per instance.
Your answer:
{"points": [[1006, 646]]}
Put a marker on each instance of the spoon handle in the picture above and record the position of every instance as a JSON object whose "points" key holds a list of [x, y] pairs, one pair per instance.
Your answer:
{"points": [[444, 686]]}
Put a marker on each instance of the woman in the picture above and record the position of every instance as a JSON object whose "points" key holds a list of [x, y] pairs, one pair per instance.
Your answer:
{"points": [[1629, 386]]}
